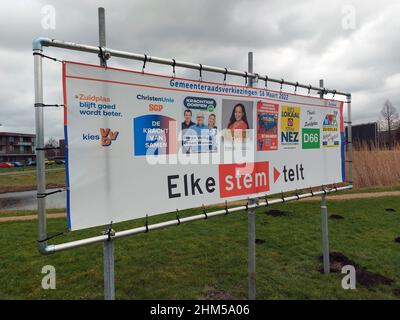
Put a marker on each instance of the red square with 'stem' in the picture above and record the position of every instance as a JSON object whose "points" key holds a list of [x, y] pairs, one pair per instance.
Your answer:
{"points": [[243, 179]]}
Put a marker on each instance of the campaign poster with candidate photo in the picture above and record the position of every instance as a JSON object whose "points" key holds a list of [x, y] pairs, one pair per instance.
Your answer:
{"points": [[237, 125], [199, 125]]}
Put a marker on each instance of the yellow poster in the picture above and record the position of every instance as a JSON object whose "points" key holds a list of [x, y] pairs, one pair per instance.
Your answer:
{"points": [[290, 126]]}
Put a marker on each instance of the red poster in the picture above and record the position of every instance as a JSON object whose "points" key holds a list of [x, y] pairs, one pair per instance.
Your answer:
{"points": [[267, 126]]}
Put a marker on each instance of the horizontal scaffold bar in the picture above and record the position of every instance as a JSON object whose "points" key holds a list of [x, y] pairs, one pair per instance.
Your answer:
{"points": [[38, 43], [120, 234]]}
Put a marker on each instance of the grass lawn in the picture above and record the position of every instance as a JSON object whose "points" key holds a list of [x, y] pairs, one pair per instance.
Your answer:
{"points": [[15, 213], [369, 189], [27, 181], [209, 258], [30, 168]]}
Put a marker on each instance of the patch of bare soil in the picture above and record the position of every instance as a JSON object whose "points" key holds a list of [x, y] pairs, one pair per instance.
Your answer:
{"points": [[364, 277], [336, 217], [260, 241], [276, 213]]}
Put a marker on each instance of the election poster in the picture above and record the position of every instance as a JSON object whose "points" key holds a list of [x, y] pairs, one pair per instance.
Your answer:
{"points": [[311, 132], [199, 125], [330, 130], [142, 144], [237, 124], [267, 126], [290, 124]]}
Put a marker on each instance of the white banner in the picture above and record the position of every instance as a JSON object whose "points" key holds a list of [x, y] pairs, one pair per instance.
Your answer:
{"points": [[141, 143]]}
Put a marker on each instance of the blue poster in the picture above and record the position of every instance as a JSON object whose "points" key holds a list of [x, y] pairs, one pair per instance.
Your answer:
{"points": [[154, 135]]}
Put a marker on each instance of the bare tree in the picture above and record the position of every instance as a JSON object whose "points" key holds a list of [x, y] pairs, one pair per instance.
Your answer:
{"points": [[51, 143], [390, 119]]}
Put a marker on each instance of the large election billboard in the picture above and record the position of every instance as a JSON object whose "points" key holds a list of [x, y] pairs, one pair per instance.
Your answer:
{"points": [[142, 144]]}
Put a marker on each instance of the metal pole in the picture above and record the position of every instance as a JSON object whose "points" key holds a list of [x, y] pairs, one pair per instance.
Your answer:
{"points": [[40, 167], [251, 222], [325, 238], [109, 283], [102, 32], [251, 218], [108, 249], [324, 215]]}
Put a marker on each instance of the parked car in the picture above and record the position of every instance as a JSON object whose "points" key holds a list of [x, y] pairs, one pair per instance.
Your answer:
{"points": [[49, 162], [60, 161], [31, 163], [6, 165], [17, 164]]}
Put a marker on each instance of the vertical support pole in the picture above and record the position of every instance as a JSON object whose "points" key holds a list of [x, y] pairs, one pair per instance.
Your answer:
{"points": [[325, 237], [251, 218], [102, 31], [251, 222], [108, 248], [40, 167], [109, 283], [324, 214], [349, 140]]}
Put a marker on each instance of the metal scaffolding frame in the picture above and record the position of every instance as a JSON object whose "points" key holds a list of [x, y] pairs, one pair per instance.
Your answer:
{"points": [[107, 238]]}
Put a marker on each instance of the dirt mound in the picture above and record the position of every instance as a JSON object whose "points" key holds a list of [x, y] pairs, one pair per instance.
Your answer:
{"points": [[390, 210], [363, 277], [277, 213], [260, 241], [397, 239], [336, 217]]}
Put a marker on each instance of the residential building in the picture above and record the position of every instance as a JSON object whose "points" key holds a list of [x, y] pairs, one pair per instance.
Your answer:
{"points": [[17, 147]]}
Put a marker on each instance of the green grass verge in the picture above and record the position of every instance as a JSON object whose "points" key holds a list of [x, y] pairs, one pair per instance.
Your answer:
{"points": [[30, 168], [370, 189], [15, 213], [186, 262], [23, 182]]}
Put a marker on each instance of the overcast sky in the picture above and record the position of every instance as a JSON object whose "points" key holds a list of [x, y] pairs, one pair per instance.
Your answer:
{"points": [[353, 45]]}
